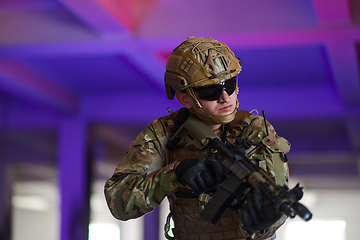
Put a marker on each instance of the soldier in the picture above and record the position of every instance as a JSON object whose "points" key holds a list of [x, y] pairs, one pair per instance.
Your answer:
{"points": [[202, 73]]}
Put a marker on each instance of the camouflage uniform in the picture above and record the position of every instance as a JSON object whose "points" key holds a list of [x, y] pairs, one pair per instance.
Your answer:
{"points": [[146, 175]]}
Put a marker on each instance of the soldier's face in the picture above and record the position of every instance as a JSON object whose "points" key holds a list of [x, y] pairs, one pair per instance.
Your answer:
{"points": [[224, 106]]}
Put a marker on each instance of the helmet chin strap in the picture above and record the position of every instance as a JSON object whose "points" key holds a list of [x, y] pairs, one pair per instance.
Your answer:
{"points": [[207, 116]]}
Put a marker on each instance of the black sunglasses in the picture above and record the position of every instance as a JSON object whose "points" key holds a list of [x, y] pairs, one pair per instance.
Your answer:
{"points": [[213, 92]]}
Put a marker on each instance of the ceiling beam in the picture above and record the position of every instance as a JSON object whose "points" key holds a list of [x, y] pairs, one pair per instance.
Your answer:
{"points": [[248, 40], [21, 82], [128, 13], [95, 16], [73, 48], [11, 5], [104, 109], [17, 115], [332, 12], [36, 26], [290, 37], [343, 59], [289, 103], [146, 60]]}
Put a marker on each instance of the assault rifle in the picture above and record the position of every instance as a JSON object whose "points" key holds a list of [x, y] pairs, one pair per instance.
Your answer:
{"points": [[241, 174]]}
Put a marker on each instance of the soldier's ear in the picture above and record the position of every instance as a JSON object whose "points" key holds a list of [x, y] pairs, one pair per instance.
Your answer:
{"points": [[184, 99]]}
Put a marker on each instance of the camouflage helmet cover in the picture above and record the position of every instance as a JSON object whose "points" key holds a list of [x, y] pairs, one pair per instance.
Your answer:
{"points": [[198, 62]]}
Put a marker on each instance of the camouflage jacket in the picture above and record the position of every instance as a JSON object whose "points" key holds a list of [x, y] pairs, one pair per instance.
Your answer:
{"points": [[145, 176]]}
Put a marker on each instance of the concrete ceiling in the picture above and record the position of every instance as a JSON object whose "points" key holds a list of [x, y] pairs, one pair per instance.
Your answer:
{"points": [[104, 60]]}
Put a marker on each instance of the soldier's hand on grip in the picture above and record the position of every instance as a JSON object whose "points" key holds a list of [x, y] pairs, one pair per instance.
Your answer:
{"points": [[200, 174], [257, 213]]}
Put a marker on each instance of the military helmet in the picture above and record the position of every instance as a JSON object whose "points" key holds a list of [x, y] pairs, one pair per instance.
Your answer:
{"points": [[198, 62]]}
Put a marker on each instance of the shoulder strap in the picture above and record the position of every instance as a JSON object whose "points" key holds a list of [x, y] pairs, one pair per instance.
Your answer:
{"points": [[180, 118]]}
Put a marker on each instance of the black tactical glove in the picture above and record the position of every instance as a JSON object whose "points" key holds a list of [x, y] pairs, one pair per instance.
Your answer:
{"points": [[200, 174], [257, 213]]}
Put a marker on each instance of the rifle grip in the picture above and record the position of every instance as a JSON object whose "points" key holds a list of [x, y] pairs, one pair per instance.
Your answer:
{"points": [[217, 205]]}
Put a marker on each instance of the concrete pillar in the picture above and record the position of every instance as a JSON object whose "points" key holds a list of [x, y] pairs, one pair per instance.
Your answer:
{"points": [[6, 180], [74, 179]]}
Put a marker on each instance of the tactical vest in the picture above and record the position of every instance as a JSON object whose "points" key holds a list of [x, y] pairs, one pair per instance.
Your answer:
{"points": [[185, 211]]}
